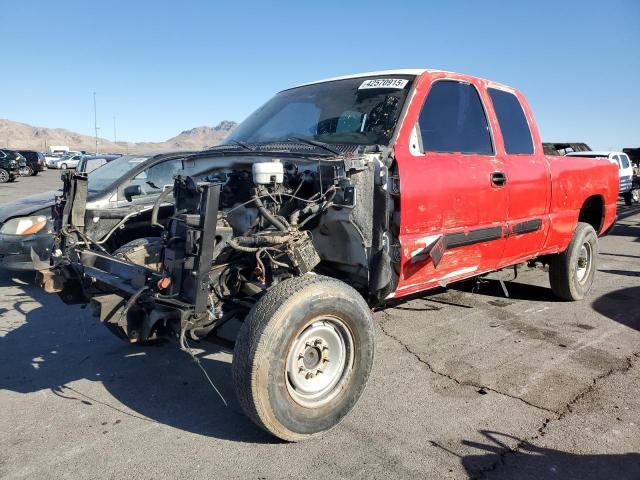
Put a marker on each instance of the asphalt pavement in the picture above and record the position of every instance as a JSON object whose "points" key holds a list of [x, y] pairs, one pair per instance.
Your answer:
{"points": [[467, 384]]}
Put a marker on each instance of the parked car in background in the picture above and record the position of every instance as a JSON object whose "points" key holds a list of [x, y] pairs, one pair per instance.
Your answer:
{"points": [[35, 162], [89, 163], [627, 191], [10, 164], [49, 158], [27, 224], [70, 160]]}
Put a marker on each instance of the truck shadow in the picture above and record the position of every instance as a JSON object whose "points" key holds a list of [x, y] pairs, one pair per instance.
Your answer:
{"points": [[540, 463], [517, 290], [58, 345], [611, 305]]}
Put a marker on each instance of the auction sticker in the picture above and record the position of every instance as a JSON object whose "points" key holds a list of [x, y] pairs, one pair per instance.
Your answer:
{"points": [[396, 83]]}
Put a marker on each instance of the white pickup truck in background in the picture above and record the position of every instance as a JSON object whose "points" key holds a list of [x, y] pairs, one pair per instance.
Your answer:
{"points": [[630, 194]]}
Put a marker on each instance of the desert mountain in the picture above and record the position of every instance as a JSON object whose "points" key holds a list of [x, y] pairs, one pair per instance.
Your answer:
{"points": [[23, 136]]}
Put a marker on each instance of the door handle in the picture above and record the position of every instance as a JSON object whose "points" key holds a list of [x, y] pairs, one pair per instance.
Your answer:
{"points": [[498, 179]]}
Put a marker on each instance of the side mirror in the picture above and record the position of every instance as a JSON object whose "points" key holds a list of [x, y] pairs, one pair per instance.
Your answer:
{"points": [[132, 191]]}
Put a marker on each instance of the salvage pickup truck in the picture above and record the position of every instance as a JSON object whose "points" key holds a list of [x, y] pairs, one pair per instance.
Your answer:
{"points": [[333, 198]]}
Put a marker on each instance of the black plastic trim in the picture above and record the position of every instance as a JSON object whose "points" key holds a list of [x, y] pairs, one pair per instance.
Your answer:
{"points": [[480, 235], [528, 226]]}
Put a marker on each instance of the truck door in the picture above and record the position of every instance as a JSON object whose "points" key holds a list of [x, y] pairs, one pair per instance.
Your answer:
{"points": [[528, 181], [452, 191]]}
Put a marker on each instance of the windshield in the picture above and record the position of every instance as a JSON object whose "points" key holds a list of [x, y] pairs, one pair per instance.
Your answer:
{"points": [[361, 110], [104, 176]]}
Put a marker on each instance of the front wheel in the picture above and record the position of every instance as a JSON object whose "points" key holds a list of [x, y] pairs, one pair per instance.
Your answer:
{"points": [[142, 251], [63, 166], [303, 356], [571, 272], [4, 176]]}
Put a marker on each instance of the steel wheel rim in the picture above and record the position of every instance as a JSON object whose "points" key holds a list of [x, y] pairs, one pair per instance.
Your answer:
{"points": [[583, 264], [4, 176], [319, 361], [635, 195]]}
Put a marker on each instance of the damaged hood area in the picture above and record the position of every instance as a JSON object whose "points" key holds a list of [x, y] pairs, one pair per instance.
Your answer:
{"points": [[28, 205]]}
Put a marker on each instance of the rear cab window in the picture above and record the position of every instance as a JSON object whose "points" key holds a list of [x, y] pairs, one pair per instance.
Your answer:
{"points": [[515, 129], [453, 119]]}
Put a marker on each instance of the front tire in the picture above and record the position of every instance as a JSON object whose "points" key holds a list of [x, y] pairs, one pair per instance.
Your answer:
{"points": [[4, 176], [63, 166], [571, 272], [303, 356], [141, 251]]}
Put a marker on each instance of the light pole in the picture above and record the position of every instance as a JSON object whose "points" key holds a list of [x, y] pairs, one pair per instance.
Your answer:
{"points": [[95, 120]]}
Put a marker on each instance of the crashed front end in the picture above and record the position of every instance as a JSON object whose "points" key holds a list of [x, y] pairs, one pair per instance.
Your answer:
{"points": [[235, 232]]}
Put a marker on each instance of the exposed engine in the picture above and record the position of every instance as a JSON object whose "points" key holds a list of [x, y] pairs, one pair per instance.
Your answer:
{"points": [[269, 222], [243, 226]]}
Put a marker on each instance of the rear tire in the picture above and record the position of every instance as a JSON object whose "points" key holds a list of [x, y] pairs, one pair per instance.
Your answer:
{"points": [[571, 272], [63, 166], [303, 356]]}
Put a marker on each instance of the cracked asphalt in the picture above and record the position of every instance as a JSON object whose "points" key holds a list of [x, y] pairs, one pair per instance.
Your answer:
{"points": [[466, 385]]}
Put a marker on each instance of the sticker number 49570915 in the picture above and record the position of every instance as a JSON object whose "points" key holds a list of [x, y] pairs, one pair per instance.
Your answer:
{"points": [[396, 83]]}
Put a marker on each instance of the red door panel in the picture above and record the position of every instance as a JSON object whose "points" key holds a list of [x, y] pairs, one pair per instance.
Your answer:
{"points": [[449, 195]]}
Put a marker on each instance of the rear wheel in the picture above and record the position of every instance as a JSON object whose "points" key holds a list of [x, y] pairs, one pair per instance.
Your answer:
{"points": [[4, 176], [571, 272], [303, 356], [63, 166]]}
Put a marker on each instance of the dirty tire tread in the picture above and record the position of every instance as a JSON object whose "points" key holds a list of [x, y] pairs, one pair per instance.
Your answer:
{"points": [[251, 338], [121, 253], [135, 243], [561, 273]]}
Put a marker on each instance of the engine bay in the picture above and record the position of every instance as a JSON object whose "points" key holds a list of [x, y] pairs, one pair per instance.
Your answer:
{"points": [[239, 227]]}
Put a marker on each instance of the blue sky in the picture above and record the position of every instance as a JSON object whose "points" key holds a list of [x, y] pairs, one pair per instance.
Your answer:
{"points": [[163, 67]]}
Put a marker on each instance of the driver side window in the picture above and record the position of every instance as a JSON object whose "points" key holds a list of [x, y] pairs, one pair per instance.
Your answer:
{"points": [[155, 179]]}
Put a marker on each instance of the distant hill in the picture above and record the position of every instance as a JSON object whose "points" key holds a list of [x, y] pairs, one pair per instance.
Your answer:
{"points": [[23, 136]]}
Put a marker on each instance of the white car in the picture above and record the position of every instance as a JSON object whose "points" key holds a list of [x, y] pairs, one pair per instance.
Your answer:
{"points": [[625, 171], [70, 160], [51, 158]]}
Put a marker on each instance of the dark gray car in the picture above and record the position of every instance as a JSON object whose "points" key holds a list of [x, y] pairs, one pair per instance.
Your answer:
{"points": [[27, 224]]}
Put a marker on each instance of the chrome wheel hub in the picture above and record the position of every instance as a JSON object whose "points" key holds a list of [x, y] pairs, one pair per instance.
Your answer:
{"points": [[583, 265], [319, 362]]}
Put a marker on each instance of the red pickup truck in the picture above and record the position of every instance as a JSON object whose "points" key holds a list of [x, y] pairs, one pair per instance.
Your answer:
{"points": [[333, 198]]}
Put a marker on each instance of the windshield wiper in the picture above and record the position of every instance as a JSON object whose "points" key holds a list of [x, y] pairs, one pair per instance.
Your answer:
{"points": [[244, 145], [315, 143]]}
